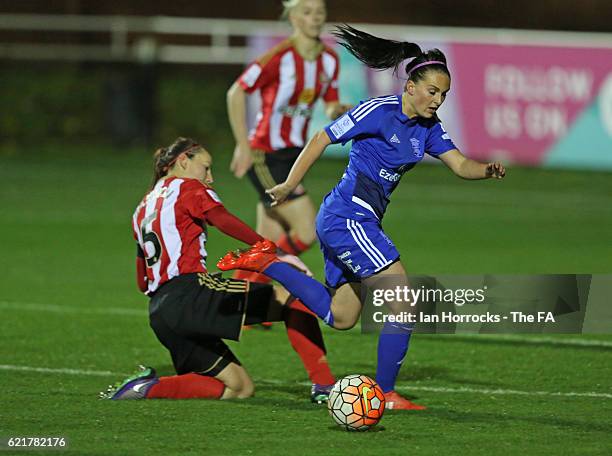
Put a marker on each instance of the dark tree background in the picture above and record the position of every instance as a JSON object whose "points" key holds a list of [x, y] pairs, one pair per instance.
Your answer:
{"points": [[585, 15]]}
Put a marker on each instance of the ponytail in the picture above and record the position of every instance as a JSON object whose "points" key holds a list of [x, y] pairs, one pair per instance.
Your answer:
{"points": [[377, 53], [381, 54], [165, 157]]}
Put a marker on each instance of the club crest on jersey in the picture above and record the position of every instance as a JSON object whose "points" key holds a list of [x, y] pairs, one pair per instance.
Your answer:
{"points": [[307, 96], [416, 147]]}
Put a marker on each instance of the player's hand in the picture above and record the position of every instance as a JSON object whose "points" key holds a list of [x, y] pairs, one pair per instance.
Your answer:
{"points": [[339, 109], [495, 170], [295, 262], [241, 161], [279, 193]]}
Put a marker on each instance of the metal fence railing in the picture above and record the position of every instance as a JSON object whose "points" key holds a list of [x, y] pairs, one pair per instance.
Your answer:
{"points": [[136, 38]]}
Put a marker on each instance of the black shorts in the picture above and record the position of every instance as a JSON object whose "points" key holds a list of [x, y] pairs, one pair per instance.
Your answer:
{"points": [[191, 313], [270, 169]]}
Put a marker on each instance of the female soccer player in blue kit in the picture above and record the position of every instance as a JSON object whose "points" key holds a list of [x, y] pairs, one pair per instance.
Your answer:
{"points": [[390, 136]]}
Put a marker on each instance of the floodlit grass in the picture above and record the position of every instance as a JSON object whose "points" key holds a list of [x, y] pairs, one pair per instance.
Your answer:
{"points": [[69, 301]]}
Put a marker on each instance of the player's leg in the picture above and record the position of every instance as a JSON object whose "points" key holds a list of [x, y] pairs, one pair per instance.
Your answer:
{"points": [[209, 371], [394, 339], [339, 308], [198, 366], [298, 216], [237, 381], [211, 358], [346, 305], [295, 218], [318, 298], [190, 315], [304, 335], [260, 174]]}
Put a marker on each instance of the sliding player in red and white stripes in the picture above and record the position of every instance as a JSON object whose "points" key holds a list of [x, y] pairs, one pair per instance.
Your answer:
{"points": [[190, 310], [290, 78]]}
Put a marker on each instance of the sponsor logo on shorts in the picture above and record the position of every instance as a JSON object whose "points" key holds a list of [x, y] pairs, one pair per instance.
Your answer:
{"points": [[348, 262]]}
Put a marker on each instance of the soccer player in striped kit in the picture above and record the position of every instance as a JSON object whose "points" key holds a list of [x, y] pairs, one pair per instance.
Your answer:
{"points": [[290, 78], [190, 310], [390, 136]]}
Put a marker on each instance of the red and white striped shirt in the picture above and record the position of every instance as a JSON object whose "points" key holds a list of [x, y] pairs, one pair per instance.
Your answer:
{"points": [[289, 86], [170, 227]]}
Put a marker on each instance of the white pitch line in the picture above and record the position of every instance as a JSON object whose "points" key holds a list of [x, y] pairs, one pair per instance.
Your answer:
{"points": [[536, 340], [404, 387], [71, 309], [504, 392], [47, 370], [574, 342]]}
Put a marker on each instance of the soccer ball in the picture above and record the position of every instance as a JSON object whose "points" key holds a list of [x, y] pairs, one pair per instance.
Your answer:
{"points": [[356, 403]]}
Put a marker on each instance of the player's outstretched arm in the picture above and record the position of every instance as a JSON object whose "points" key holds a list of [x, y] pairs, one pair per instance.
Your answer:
{"points": [[231, 225], [304, 162], [236, 108], [467, 168]]}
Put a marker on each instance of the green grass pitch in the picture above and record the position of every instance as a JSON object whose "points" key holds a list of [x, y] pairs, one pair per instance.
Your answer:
{"points": [[73, 321]]}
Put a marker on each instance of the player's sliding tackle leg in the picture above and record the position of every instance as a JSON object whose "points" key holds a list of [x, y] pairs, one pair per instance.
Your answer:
{"points": [[227, 381], [232, 382]]}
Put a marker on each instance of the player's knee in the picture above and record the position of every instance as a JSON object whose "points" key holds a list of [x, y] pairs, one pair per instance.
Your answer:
{"points": [[305, 232], [344, 324]]}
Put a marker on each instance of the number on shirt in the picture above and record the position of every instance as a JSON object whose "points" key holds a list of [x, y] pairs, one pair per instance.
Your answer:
{"points": [[150, 239]]}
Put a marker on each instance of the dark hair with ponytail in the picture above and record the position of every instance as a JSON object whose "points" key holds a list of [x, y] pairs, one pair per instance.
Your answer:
{"points": [[165, 157], [381, 54]]}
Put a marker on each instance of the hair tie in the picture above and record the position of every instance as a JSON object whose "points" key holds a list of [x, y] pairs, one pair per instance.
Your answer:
{"points": [[430, 62]]}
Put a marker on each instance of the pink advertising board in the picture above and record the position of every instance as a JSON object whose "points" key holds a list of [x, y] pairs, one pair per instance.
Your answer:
{"points": [[522, 102], [534, 105]]}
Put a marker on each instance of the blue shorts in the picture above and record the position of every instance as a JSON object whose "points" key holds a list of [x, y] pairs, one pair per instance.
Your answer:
{"points": [[352, 249]]}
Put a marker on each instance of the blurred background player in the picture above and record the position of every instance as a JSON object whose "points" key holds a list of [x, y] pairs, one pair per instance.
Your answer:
{"points": [[390, 136], [290, 78], [190, 310]]}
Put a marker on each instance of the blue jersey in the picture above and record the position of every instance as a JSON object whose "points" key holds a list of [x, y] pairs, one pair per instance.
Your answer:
{"points": [[386, 144]]}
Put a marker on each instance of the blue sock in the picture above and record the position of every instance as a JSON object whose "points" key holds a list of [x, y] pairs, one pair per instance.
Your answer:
{"points": [[313, 294], [392, 347]]}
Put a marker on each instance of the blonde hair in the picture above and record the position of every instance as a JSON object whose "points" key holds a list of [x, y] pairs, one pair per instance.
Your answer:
{"points": [[288, 5]]}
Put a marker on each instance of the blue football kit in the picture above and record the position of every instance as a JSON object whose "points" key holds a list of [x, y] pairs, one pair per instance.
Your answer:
{"points": [[386, 144]]}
